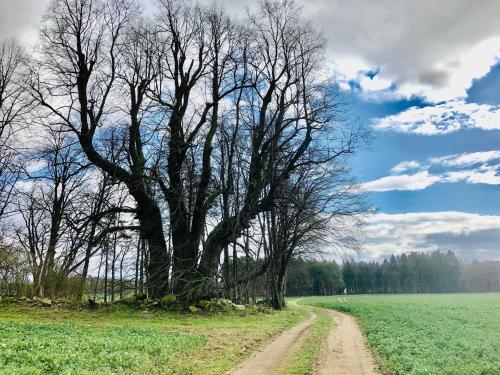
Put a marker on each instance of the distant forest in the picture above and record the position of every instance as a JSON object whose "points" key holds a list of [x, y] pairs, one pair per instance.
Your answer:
{"points": [[415, 272]]}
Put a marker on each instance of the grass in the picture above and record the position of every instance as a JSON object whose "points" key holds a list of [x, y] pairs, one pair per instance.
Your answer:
{"points": [[304, 360], [120, 340], [445, 334]]}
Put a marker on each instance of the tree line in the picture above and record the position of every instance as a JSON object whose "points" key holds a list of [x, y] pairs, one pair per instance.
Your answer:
{"points": [[415, 272], [158, 150], [314, 278]]}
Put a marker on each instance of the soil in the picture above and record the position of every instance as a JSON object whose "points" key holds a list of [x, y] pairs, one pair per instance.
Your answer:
{"points": [[269, 359], [344, 353]]}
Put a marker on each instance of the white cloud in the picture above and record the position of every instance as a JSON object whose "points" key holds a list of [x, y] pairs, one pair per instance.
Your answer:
{"points": [[374, 84], [427, 231], [417, 181], [405, 166], [466, 158], [348, 68], [474, 168], [442, 118], [472, 176]]}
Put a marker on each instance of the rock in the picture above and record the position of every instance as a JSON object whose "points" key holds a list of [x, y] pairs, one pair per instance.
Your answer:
{"points": [[204, 304], [194, 309], [46, 302], [238, 307], [222, 301], [37, 299]]}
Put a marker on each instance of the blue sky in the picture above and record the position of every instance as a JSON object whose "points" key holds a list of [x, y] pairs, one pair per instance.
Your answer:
{"points": [[388, 148], [424, 76], [392, 146]]}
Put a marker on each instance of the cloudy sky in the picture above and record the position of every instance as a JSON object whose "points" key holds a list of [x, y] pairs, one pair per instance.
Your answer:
{"points": [[425, 77]]}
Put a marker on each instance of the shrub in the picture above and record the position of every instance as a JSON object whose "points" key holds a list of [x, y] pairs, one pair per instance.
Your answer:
{"points": [[168, 300], [204, 304], [194, 309]]}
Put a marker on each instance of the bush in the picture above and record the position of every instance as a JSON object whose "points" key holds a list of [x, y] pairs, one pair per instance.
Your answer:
{"points": [[129, 299], [204, 304], [168, 300]]}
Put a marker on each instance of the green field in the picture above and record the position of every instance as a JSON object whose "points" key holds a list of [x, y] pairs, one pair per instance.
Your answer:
{"points": [[120, 340], [453, 334]]}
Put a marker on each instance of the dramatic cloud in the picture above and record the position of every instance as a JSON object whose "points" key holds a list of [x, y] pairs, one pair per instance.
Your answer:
{"points": [[418, 45], [428, 48], [442, 118], [470, 236], [475, 168]]}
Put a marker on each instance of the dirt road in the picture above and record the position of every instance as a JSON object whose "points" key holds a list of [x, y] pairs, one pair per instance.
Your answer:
{"points": [[345, 352], [268, 361]]}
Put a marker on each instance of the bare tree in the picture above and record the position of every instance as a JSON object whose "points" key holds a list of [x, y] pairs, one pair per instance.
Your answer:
{"points": [[319, 208], [45, 207], [79, 69], [285, 116], [13, 105], [201, 67], [206, 116]]}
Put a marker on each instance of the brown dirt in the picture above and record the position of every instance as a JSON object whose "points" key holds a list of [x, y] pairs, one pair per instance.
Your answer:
{"points": [[345, 352], [269, 359]]}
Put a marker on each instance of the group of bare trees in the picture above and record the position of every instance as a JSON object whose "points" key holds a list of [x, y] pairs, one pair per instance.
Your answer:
{"points": [[200, 137]]}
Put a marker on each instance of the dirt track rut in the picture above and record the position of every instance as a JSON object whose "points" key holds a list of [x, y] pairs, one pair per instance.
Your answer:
{"points": [[345, 352], [268, 360]]}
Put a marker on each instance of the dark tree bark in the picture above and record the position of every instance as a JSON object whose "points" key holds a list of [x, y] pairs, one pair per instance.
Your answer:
{"points": [[85, 34]]}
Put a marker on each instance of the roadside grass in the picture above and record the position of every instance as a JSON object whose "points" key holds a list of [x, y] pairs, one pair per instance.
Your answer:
{"points": [[445, 334], [305, 359], [121, 340]]}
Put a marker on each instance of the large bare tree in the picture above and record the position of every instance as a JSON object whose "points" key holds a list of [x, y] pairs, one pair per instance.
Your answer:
{"points": [[210, 117], [75, 79]]}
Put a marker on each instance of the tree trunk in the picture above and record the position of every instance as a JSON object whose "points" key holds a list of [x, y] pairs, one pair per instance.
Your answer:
{"points": [[158, 264], [106, 268], [278, 293]]}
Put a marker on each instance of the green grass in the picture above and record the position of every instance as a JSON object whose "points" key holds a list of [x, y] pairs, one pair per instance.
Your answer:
{"points": [[304, 360], [452, 334], [120, 340]]}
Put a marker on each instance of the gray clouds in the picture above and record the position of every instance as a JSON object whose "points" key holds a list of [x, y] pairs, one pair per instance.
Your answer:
{"points": [[429, 48], [470, 236], [20, 19]]}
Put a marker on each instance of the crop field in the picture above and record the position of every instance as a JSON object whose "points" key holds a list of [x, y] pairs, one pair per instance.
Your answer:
{"points": [[120, 340], [452, 334]]}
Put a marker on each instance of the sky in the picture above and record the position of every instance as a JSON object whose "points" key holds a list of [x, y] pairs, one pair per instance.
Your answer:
{"points": [[424, 77]]}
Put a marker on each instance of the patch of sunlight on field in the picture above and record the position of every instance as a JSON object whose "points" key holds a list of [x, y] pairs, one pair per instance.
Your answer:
{"points": [[452, 334]]}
